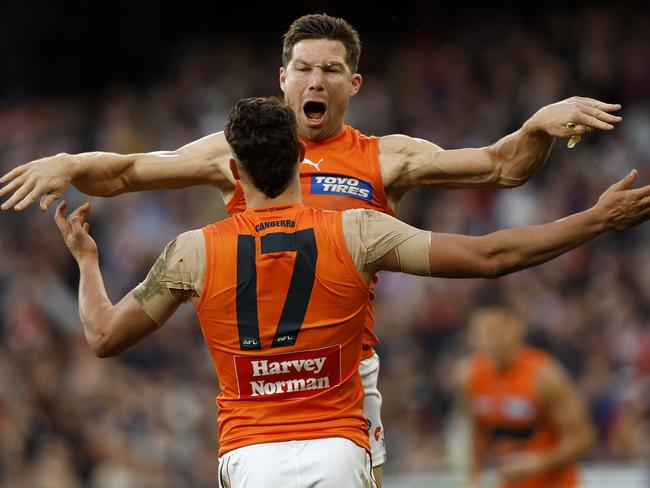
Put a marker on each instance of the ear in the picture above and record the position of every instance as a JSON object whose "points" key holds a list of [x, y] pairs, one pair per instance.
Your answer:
{"points": [[356, 84], [303, 150], [283, 77], [233, 169]]}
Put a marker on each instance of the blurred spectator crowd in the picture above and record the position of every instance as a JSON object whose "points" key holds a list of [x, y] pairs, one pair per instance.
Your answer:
{"points": [[147, 418]]}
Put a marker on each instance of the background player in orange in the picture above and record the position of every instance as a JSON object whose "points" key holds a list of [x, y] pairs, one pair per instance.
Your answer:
{"points": [[342, 169], [526, 414], [281, 291]]}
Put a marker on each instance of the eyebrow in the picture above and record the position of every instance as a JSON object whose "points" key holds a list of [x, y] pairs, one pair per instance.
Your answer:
{"points": [[331, 64]]}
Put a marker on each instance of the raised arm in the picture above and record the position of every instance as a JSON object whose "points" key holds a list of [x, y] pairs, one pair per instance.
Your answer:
{"points": [[387, 244], [566, 412], [407, 162], [111, 329], [106, 174]]}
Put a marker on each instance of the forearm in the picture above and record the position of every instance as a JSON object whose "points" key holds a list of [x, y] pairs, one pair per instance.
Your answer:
{"points": [[107, 174], [519, 248], [93, 304], [518, 156], [570, 448]]}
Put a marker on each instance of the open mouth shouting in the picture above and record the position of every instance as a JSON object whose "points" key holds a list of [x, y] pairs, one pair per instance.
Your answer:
{"points": [[314, 112]]}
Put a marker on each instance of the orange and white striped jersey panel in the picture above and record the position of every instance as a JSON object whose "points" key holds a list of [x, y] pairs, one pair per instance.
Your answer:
{"points": [[339, 173], [283, 312], [506, 405]]}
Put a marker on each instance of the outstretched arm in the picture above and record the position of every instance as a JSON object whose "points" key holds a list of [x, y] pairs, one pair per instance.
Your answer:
{"points": [[407, 162], [106, 174], [109, 329], [384, 243], [510, 250]]}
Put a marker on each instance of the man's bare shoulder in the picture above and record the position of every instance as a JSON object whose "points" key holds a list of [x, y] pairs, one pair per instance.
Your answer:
{"points": [[392, 144], [400, 154]]}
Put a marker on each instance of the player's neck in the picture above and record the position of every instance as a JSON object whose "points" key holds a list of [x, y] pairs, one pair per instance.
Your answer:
{"points": [[314, 136], [504, 362], [257, 199]]}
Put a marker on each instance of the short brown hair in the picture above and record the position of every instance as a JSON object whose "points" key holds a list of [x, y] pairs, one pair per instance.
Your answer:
{"points": [[323, 26], [263, 135]]}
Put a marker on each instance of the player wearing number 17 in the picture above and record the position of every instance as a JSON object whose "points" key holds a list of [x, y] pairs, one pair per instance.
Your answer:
{"points": [[281, 293]]}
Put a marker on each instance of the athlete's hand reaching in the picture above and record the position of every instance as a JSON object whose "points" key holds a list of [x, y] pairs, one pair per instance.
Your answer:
{"points": [[574, 117], [47, 178], [74, 230], [624, 206]]}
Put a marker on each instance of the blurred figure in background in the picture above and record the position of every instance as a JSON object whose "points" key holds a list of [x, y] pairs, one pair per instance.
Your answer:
{"points": [[526, 415]]}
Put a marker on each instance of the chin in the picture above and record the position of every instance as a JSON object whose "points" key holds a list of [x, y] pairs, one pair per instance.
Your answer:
{"points": [[312, 133]]}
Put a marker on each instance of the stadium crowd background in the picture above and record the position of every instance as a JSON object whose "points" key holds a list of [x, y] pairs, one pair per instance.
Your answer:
{"points": [[147, 419]]}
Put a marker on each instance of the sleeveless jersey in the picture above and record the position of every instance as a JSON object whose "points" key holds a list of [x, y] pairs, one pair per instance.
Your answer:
{"points": [[283, 312], [339, 173], [506, 405]]}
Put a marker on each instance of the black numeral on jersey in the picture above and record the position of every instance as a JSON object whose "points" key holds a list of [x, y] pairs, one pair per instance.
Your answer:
{"points": [[303, 243]]}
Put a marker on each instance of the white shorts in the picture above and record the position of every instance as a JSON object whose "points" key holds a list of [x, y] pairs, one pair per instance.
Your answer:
{"points": [[332, 462], [369, 372]]}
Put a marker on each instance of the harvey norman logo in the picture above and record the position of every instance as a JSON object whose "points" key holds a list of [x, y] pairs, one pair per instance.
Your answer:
{"points": [[287, 376], [341, 186]]}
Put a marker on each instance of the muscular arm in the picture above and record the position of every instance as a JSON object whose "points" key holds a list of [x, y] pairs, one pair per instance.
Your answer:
{"points": [[502, 252], [173, 279], [106, 174], [110, 329], [407, 162], [567, 413]]}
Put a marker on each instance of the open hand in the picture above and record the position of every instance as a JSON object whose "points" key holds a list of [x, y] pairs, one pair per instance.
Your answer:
{"points": [[575, 117], [47, 178], [74, 230], [625, 207]]}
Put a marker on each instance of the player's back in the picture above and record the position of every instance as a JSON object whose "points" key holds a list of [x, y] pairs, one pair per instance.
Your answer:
{"points": [[506, 404], [339, 173], [282, 312]]}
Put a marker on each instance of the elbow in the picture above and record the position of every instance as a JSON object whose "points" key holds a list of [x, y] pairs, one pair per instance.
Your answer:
{"points": [[102, 344], [103, 349], [507, 172], [493, 267], [512, 182], [493, 274], [589, 438], [102, 352]]}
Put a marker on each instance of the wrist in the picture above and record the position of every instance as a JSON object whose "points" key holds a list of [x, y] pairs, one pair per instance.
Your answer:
{"points": [[532, 127], [72, 165], [86, 258], [599, 219]]}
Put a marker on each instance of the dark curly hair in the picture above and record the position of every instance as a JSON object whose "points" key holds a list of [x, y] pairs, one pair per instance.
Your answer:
{"points": [[263, 135], [323, 26]]}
